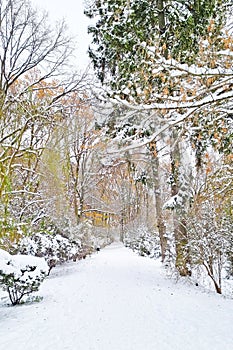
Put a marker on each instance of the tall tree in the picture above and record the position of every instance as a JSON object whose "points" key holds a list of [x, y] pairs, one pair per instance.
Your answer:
{"points": [[28, 41], [34, 76], [143, 50], [129, 36]]}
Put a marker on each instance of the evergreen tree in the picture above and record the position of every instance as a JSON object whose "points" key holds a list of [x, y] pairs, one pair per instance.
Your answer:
{"points": [[137, 47], [129, 36]]}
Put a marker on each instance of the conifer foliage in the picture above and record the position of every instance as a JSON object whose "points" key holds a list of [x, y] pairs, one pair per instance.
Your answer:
{"points": [[129, 36], [169, 64]]}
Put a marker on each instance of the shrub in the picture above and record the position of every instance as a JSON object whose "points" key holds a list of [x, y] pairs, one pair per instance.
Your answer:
{"points": [[20, 275], [209, 236], [56, 249], [143, 241]]}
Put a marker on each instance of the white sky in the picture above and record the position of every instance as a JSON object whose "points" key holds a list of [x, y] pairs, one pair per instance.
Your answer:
{"points": [[72, 12]]}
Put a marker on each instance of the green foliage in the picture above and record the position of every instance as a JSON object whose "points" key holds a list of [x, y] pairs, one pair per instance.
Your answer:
{"points": [[11, 232], [118, 35], [188, 22], [128, 37]]}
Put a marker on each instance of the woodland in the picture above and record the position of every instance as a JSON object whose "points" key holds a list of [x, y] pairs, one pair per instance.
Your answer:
{"points": [[137, 148]]}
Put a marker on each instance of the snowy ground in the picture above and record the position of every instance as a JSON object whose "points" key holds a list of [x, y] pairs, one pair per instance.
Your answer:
{"points": [[116, 300]]}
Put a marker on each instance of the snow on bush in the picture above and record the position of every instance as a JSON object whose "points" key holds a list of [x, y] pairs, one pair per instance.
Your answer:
{"points": [[20, 275], [56, 249], [144, 241]]}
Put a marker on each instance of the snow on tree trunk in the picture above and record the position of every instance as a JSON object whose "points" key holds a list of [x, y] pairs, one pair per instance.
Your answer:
{"points": [[180, 232], [158, 207]]}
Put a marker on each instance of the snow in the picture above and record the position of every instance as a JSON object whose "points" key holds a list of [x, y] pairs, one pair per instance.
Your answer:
{"points": [[4, 255], [173, 202], [21, 261], [116, 300], [16, 263]]}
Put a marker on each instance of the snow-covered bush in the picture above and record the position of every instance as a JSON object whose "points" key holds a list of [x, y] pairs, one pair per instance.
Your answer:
{"points": [[144, 241], [20, 275], [209, 241], [56, 249]]}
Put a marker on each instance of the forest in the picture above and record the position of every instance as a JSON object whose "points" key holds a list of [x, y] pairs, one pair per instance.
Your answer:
{"points": [[138, 147]]}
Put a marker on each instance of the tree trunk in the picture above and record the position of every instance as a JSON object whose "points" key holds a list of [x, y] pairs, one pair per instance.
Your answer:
{"points": [[180, 231], [158, 201], [211, 275], [161, 16]]}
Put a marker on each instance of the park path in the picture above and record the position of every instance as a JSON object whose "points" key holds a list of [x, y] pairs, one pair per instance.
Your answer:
{"points": [[116, 300]]}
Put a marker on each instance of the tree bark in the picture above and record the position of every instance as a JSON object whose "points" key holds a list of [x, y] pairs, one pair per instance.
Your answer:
{"points": [[180, 231], [158, 200], [161, 16]]}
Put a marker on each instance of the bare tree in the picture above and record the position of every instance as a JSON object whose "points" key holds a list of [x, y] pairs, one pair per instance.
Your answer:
{"points": [[27, 41], [35, 76]]}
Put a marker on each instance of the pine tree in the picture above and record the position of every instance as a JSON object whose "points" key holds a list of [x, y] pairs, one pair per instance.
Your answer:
{"points": [[130, 41]]}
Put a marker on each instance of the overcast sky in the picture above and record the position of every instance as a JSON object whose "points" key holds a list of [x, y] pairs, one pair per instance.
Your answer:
{"points": [[72, 12]]}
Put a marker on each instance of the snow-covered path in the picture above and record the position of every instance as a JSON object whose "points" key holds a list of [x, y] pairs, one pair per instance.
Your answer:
{"points": [[116, 300]]}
